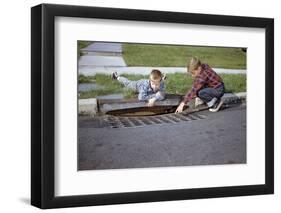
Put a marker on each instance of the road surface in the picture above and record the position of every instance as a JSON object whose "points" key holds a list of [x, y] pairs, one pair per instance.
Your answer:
{"points": [[220, 138]]}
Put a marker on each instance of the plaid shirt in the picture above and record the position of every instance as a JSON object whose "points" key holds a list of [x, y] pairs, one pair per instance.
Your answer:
{"points": [[206, 78]]}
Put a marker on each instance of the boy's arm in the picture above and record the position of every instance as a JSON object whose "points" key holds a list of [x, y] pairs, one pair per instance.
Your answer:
{"points": [[143, 94], [197, 85], [160, 95]]}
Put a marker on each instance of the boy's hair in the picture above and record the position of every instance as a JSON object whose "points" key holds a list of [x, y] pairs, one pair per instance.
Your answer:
{"points": [[155, 75], [193, 65]]}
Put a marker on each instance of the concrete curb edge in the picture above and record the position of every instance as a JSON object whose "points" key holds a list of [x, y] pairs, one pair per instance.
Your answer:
{"points": [[90, 106]]}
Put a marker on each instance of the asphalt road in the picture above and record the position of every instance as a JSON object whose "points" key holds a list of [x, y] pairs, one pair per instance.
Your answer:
{"points": [[220, 138]]}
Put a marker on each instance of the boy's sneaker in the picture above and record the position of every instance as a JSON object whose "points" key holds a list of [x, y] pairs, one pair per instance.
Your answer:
{"points": [[114, 75], [216, 107], [164, 77]]}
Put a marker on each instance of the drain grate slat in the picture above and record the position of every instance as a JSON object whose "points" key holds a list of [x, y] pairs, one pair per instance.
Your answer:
{"points": [[164, 120], [145, 121], [173, 118], [181, 117], [193, 117], [155, 120], [141, 122], [128, 122], [201, 116], [135, 121]]}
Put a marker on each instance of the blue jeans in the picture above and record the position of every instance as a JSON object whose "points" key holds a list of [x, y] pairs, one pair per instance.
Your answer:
{"points": [[207, 94], [128, 83]]}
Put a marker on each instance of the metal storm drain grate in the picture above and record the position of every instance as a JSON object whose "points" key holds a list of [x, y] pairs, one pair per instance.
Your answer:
{"points": [[124, 122]]}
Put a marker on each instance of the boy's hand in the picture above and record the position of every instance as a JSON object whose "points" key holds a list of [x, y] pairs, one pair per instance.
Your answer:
{"points": [[180, 108], [151, 102]]}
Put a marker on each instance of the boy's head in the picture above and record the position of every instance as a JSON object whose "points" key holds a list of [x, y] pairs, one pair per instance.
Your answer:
{"points": [[194, 66], [155, 79]]}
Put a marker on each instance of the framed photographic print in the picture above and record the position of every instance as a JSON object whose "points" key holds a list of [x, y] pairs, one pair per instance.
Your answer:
{"points": [[139, 106]]}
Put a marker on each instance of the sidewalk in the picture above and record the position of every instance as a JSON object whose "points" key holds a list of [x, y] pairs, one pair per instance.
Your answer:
{"points": [[106, 57], [102, 54]]}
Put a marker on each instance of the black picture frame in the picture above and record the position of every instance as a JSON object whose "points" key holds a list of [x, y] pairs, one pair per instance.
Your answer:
{"points": [[43, 105]]}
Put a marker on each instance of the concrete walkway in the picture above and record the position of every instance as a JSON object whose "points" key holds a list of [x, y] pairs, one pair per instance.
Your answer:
{"points": [[103, 47], [100, 54], [100, 61], [106, 57]]}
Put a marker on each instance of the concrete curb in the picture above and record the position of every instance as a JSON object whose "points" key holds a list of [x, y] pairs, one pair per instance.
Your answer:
{"points": [[109, 105], [90, 106], [232, 98]]}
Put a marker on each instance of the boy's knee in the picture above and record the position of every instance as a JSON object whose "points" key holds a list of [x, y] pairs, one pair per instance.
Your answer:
{"points": [[201, 93]]}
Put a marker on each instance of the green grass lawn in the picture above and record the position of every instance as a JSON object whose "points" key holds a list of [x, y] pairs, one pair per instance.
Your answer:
{"points": [[176, 83], [178, 56]]}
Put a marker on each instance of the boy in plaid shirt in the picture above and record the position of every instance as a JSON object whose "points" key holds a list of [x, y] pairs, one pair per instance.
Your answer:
{"points": [[150, 90], [207, 85]]}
